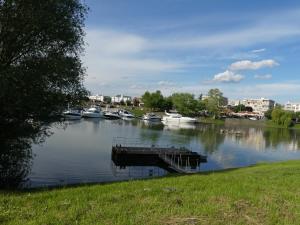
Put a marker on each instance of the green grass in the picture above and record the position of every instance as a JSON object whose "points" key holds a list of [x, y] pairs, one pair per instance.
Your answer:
{"points": [[262, 194]]}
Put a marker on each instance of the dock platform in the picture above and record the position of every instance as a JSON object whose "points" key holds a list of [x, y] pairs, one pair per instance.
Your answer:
{"points": [[172, 159]]}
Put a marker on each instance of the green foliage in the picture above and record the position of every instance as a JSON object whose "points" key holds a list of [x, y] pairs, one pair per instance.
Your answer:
{"points": [[107, 99], [214, 101], [40, 68], [185, 103], [217, 95], [128, 103], [156, 101], [268, 114], [281, 117]]}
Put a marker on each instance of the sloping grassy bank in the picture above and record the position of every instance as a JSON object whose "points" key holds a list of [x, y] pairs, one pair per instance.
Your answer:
{"points": [[262, 194]]}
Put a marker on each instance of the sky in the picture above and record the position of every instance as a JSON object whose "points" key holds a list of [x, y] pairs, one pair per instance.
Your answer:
{"points": [[247, 49]]}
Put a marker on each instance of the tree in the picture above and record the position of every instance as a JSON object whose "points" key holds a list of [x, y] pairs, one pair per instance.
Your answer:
{"points": [[107, 99], [185, 103], [281, 117], [40, 68], [40, 72], [214, 101], [153, 100], [136, 102], [167, 104], [217, 95], [128, 103]]}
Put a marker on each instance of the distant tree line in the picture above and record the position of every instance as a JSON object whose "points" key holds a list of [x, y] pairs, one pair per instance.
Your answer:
{"points": [[186, 103]]}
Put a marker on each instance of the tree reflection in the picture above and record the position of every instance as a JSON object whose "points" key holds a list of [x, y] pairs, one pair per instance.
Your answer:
{"points": [[15, 151], [211, 138], [275, 137]]}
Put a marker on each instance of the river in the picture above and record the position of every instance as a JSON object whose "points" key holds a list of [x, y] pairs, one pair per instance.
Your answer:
{"points": [[80, 151]]}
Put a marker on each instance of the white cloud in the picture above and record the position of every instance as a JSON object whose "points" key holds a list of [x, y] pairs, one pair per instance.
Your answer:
{"points": [[258, 50], [228, 77], [249, 65], [110, 56], [263, 77]]}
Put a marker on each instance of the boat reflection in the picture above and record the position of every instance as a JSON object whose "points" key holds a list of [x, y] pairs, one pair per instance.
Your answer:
{"points": [[178, 126]]}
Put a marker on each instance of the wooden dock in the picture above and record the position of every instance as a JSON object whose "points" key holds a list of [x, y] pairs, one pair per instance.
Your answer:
{"points": [[176, 160]]}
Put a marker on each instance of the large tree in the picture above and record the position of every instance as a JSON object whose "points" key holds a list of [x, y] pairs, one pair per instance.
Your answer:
{"points": [[40, 67], [40, 72], [185, 103]]}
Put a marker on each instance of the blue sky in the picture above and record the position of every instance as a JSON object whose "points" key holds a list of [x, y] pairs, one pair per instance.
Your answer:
{"points": [[248, 49]]}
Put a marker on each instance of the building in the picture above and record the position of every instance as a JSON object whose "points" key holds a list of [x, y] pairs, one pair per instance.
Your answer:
{"points": [[294, 107], [119, 98], [234, 102], [261, 105], [97, 98]]}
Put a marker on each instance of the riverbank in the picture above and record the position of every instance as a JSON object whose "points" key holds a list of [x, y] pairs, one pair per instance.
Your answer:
{"points": [[261, 194]]}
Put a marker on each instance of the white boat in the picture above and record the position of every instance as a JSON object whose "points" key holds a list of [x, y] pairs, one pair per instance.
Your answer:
{"points": [[125, 114], [177, 118], [93, 112], [72, 114], [111, 115], [151, 117]]}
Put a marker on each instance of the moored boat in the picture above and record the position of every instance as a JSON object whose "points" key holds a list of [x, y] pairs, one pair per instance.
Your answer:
{"points": [[111, 115], [178, 118], [72, 114], [151, 117], [125, 114], [93, 112]]}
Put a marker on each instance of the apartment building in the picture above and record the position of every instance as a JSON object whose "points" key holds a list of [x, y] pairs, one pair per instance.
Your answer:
{"points": [[259, 105], [294, 107]]}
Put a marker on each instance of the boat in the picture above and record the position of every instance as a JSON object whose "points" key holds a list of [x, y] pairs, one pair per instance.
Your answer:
{"points": [[72, 114], [177, 118], [93, 112], [151, 117], [111, 115], [125, 114]]}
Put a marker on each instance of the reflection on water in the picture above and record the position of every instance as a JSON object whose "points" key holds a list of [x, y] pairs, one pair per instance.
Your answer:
{"points": [[16, 153], [80, 151]]}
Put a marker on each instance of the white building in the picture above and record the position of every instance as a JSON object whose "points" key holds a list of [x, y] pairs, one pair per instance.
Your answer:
{"points": [[295, 107], [99, 98], [120, 98], [234, 102], [259, 105]]}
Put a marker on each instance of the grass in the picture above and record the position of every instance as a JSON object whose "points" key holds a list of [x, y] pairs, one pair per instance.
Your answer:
{"points": [[262, 194]]}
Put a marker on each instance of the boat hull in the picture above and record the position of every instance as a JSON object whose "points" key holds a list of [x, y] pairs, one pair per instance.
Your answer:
{"points": [[92, 115], [179, 120]]}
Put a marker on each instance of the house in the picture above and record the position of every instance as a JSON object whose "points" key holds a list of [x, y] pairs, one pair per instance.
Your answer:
{"points": [[97, 98], [120, 98]]}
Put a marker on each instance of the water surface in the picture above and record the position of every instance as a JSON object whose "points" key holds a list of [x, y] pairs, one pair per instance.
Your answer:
{"points": [[80, 151]]}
